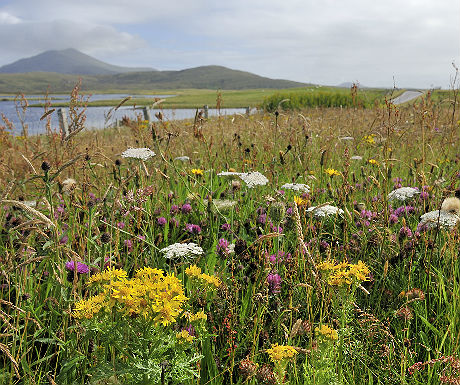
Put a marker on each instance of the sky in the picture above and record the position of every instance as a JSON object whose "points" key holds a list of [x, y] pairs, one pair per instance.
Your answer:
{"points": [[409, 43]]}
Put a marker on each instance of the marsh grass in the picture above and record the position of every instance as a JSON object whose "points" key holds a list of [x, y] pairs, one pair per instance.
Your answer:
{"points": [[112, 217]]}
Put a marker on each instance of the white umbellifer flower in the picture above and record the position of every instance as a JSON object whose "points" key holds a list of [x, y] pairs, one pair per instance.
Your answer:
{"points": [[430, 220], [296, 187], [324, 211], [231, 248], [224, 204], [356, 157], [182, 250], [138, 153], [229, 173], [254, 179], [182, 158], [403, 193]]}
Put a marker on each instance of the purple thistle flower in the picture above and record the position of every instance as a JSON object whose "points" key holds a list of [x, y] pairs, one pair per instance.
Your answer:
{"points": [[81, 267], [274, 283], [161, 221], [186, 208]]}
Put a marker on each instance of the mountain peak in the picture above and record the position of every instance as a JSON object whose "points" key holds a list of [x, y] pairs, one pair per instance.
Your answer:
{"points": [[67, 61]]}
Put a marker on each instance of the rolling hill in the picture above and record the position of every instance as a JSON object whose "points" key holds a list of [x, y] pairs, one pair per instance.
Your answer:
{"points": [[61, 70]]}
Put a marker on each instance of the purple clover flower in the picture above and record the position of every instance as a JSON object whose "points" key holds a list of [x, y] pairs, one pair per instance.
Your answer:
{"points": [[262, 219], [121, 225], [222, 247], [193, 229], [226, 227], [161, 221], [186, 208], [274, 283], [174, 209], [393, 219], [129, 245], [405, 232]]}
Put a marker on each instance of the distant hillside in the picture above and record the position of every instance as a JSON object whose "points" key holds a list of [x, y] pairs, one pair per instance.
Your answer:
{"points": [[68, 61], [207, 77]]}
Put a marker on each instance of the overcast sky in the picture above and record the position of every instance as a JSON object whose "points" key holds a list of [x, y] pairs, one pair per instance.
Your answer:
{"points": [[409, 42]]}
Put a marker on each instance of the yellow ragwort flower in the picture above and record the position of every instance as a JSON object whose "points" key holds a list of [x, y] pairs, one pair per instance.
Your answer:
{"points": [[184, 336], [280, 352], [373, 162], [193, 271], [327, 332]]}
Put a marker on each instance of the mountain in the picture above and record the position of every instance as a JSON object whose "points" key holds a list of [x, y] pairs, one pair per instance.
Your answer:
{"points": [[206, 77], [67, 61]]}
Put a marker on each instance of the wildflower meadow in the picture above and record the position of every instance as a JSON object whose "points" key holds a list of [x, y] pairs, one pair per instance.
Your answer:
{"points": [[309, 246]]}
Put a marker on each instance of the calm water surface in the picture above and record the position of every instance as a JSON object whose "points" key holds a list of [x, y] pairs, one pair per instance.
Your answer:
{"points": [[96, 117]]}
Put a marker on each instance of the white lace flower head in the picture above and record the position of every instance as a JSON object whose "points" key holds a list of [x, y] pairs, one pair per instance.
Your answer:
{"points": [[224, 204], [182, 250], [296, 187], [229, 174], [254, 179], [184, 158], [430, 220], [324, 211], [403, 193], [138, 153]]}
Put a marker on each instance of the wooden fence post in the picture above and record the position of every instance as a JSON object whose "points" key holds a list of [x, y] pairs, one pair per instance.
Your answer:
{"points": [[206, 111], [63, 124], [147, 115]]}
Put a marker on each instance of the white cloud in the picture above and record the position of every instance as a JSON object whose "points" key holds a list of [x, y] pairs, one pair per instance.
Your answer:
{"points": [[6, 18], [323, 41]]}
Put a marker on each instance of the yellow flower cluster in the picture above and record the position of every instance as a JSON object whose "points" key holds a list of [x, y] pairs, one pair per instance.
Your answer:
{"points": [[196, 317], [195, 272], [369, 139], [344, 273], [88, 308], [327, 332], [373, 162], [150, 293], [108, 275], [331, 172], [184, 336], [300, 201], [279, 352], [197, 171]]}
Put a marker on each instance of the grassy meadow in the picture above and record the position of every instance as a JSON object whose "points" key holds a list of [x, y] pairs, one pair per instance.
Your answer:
{"points": [[294, 266]]}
